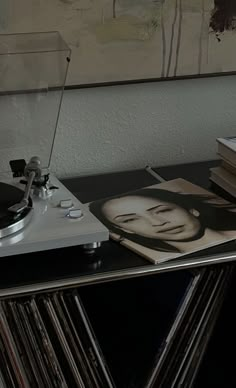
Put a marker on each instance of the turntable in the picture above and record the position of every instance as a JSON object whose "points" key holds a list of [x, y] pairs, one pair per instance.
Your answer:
{"points": [[36, 211]]}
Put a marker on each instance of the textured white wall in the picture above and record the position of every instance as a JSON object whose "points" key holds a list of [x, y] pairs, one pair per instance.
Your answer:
{"points": [[126, 127]]}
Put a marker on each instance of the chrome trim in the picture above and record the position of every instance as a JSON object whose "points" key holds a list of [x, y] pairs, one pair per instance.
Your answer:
{"points": [[93, 245], [16, 226], [116, 275]]}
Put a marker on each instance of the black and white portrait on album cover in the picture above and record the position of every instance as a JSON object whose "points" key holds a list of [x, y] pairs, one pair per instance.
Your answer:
{"points": [[167, 220]]}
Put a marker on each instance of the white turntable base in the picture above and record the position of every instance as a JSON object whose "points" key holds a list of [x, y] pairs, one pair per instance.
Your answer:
{"points": [[51, 228]]}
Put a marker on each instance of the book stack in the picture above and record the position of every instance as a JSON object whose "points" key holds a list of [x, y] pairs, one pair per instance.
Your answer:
{"points": [[224, 176]]}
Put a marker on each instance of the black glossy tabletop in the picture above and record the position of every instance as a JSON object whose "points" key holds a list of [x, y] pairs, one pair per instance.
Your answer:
{"points": [[73, 262]]}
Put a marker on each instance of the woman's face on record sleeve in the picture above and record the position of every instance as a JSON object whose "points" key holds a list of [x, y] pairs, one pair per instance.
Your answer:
{"points": [[152, 218]]}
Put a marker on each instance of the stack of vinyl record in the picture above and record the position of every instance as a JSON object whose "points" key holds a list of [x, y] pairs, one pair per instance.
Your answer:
{"points": [[46, 342], [142, 332]]}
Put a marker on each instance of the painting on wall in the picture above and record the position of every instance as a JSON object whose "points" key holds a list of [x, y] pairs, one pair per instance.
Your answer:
{"points": [[128, 40]]}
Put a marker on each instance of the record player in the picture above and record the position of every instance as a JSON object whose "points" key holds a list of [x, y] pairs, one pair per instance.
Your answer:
{"points": [[37, 212]]}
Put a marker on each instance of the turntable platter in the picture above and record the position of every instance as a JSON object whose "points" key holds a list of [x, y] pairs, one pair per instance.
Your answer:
{"points": [[11, 222]]}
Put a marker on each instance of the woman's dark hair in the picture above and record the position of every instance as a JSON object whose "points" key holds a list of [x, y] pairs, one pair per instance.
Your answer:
{"points": [[215, 216]]}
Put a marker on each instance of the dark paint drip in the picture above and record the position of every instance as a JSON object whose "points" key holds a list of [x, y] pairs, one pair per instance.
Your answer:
{"points": [[223, 16]]}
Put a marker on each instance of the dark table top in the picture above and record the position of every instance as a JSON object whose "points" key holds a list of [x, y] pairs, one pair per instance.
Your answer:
{"points": [[72, 263]]}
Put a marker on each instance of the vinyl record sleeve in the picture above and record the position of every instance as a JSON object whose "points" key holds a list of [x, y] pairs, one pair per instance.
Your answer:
{"points": [[7, 371], [77, 339], [51, 359], [72, 368], [183, 337], [36, 348], [68, 332], [190, 368], [140, 316], [217, 367], [22, 343], [162, 376], [190, 360], [3, 383], [13, 353], [185, 348], [88, 337], [168, 220]]}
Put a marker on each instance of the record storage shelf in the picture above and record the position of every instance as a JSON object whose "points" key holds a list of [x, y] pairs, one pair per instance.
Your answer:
{"points": [[91, 272]]}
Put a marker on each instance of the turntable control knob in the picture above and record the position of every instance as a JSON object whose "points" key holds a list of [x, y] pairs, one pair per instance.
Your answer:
{"points": [[75, 213], [66, 203]]}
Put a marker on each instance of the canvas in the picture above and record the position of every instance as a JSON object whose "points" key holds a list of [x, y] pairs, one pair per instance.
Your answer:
{"points": [[128, 40]]}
